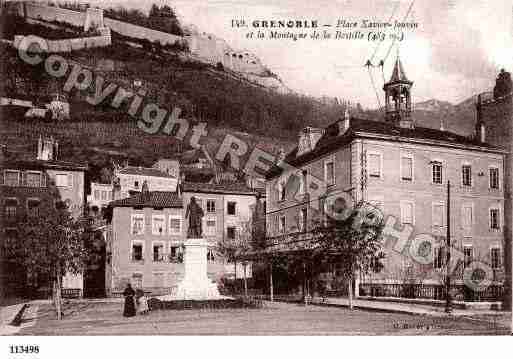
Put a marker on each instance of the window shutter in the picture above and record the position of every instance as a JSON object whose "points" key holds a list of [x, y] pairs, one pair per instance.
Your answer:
{"points": [[2, 178], [43, 179], [70, 180], [23, 178]]}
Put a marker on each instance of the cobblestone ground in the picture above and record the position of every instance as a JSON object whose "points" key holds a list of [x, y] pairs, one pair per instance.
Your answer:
{"points": [[273, 319]]}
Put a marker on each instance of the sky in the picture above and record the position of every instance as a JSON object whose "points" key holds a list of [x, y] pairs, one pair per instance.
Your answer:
{"points": [[456, 51]]}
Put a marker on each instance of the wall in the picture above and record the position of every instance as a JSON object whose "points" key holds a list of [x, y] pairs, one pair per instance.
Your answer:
{"points": [[74, 193], [51, 13], [127, 182], [498, 119], [390, 190], [205, 46], [140, 32], [289, 207], [68, 45]]}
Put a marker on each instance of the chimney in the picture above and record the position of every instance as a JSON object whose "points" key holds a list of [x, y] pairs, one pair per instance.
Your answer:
{"points": [[308, 138]]}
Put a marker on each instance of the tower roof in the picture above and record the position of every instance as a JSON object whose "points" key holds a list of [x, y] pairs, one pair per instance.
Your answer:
{"points": [[398, 74]]}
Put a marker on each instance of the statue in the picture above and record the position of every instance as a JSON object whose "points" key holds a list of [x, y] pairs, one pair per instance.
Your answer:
{"points": [[195, 214]]}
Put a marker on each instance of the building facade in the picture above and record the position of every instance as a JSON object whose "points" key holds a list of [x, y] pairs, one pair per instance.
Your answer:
{"points": [[495, 116], [130, 178], [148, 229], [403, 170], [27, 184]]}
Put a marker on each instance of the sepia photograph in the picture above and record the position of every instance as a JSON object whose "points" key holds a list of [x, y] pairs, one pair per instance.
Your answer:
{"points": [[255, 168]]}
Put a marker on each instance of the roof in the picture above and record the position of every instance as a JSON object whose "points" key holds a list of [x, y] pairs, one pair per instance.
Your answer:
{"points": [[359, 128], [144, 171], [398, 74], [161, 199], [22, 163], [222, 188]]}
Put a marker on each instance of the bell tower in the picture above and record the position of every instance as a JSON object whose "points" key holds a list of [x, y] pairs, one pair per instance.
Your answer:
{"points": [[398, 98]]}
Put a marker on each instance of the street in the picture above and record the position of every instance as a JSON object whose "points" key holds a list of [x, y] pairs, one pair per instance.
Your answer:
{"points": [[93, 318]]}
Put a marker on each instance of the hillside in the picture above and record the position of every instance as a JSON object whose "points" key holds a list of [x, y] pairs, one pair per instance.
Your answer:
{"points": [[98, 134]]}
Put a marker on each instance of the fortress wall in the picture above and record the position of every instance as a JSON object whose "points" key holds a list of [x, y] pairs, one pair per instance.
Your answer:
{"points": [[204, 46], [140, 32], [51, 13], [68, 45]]}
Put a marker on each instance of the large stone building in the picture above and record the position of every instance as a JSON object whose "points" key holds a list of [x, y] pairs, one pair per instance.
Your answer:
{"points": [[403, 169], [148, 229], [495, 113], [26, 183]]}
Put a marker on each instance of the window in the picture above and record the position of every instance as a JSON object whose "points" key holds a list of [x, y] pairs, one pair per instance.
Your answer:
{"points": [[407, 212], [104, 195], [11, 205], [495, 257], [468, 255], [230, 232], [329, 172], [137, 251], [211, 206], [12, 178], [231, 208], [438, 257], [96, 194], [438, 214], [494, 178], [137, 224], [302, 220], [466, 172], [158, 252], [494, 218], [466, 216], [34, 179], [210, 255], [136, 184], [281, 224], [63, 180], [173, 252], [33, 207], [374, 165], [210, 226], [175, 225], [281, 191], [157, 226], [437, 172], [407, 168]]}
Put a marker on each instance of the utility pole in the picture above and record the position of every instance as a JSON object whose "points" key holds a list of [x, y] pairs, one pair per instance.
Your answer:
{"points": [[448, 299]]}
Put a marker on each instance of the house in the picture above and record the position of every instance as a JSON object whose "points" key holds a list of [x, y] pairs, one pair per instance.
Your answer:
{"points": [[402, 169], [148, 229], [26, 183], [131, 178], [101, 195]]}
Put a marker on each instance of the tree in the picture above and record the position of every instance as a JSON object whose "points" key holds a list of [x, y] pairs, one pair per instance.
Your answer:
{"points": [[49, 243], [237, 248], [353, 243]]}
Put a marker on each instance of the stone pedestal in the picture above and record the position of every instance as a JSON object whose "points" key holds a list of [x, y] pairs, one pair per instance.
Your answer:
{"points": [[196, 284]]}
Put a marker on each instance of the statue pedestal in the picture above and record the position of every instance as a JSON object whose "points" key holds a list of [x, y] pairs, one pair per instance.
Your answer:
{"points": [[196, 284]]}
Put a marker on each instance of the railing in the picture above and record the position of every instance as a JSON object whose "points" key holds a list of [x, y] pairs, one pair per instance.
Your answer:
{"points": [[432, 291]]}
